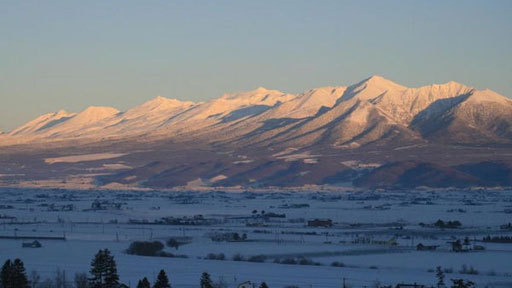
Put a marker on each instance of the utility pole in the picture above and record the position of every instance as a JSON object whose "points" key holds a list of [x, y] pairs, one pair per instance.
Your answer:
{"points": [[344, 286]]}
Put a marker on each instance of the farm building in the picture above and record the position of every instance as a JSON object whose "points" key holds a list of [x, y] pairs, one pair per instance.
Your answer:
{"points": [[320, 223]]}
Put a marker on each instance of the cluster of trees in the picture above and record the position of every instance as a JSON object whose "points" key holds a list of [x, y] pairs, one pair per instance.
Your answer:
{"points": [[448, 224], [498, 239], [206, 282], [237, 237], [145, 248], [213, 256], [13, 274], [443, 224], [151, 248], [296, 261], [456, 283], [103, 274], [162, 281]]}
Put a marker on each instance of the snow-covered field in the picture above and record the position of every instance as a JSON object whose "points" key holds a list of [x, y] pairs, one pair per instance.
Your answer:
{"points": [[83, 158], [364, 226]]}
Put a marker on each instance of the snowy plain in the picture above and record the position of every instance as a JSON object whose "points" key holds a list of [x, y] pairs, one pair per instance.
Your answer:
{"points": [[379, 217]]}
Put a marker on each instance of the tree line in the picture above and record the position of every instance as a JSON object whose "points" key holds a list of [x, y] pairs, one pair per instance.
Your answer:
{"points": [[103, 274]]}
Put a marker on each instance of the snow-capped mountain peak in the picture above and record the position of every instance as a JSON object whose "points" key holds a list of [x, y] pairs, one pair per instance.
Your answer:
{"points": [[371, 110], [95, 113], [161, 103], [371, 88]]}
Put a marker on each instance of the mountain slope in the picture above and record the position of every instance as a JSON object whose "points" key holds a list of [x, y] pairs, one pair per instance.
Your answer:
{"points": [[410, 174], [497, 173], [256, 128], [438, 135], [42, 122], [235, 105], [146, 117], [307, 104], [65, 125], [475, 118]]}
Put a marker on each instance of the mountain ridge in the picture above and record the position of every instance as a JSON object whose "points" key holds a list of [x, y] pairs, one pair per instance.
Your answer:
{"points": [[345, 116], [438, 135]]}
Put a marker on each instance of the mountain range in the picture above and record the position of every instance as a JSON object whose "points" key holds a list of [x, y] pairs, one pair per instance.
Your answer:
{"points": [[375, 133]]}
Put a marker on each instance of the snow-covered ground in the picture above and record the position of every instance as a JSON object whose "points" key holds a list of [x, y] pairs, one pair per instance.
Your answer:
{"points": [[126, 216], [83, 158]]}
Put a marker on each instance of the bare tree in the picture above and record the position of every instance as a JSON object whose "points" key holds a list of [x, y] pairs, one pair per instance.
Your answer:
{"points": [[81, 280], [35, 278]]}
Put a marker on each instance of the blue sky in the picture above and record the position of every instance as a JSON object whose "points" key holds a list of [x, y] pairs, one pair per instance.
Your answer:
{"points": [[72, 54]]}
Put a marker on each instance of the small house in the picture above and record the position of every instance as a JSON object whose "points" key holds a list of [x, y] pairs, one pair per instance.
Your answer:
{"points": [[33, 244], [421, 247]]}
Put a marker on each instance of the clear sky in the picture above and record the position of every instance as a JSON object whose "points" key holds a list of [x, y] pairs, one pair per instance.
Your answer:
{"points": [[71, 54]]}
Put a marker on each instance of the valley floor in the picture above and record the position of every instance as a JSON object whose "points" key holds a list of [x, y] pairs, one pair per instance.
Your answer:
{"points": [[373, 234]]}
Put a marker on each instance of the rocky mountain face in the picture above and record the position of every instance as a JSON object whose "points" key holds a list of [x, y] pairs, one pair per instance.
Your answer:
{"points": [[270, 138]]}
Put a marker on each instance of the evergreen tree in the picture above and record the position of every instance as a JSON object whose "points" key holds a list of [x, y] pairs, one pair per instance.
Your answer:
{"points": [[144, 283], [13, 275], [20, 276], [6, 274], [97, 270], [103, 271], [162, 281], [440, 277], [263, 285], [111, 276], [206, 281]]}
